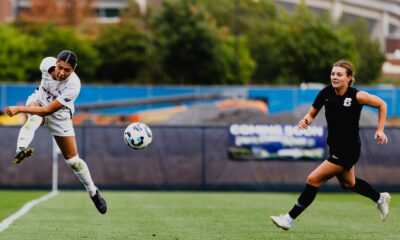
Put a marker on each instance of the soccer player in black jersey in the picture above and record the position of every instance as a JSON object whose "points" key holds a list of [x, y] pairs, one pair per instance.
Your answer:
{"points": [[343, 105]]}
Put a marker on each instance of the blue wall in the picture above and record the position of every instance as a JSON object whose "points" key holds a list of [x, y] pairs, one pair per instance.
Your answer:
{"points": [[288, 98], [279, 98]]}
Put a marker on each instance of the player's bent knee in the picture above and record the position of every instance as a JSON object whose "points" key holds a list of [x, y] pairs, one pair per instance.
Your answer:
{"points": [[346, 185], [76, 163], [313, 181]]}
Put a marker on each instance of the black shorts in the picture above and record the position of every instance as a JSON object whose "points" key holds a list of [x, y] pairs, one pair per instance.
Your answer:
{"points": [[345, 157]]}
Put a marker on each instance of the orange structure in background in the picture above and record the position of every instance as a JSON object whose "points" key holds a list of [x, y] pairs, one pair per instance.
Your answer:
{"points": [[158, 116], [5, 10], [243, 103]]}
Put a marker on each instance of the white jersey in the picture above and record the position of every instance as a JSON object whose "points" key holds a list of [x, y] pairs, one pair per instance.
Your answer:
{"points": [[49, 90]]}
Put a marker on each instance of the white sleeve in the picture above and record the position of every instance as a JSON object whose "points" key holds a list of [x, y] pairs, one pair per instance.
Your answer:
{"points": [[69, 94], [47, 63]]}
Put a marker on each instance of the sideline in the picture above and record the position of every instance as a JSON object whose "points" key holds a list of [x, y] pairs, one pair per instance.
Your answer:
{"points": [[6, 222]]}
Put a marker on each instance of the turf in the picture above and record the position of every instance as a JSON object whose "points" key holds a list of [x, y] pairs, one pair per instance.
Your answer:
{"points": [[203, 215], [12, 201]]}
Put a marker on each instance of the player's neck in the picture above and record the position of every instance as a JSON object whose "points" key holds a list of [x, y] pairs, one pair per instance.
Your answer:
{"points": [[341, 91], [53, 75]]}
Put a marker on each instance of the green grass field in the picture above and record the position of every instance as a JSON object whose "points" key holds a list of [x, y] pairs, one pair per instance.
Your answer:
{"points": [[12, 201], [196, 215]]}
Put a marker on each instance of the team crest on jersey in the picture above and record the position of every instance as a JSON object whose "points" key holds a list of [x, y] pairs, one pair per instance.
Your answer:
{"points": [[347, 102]]}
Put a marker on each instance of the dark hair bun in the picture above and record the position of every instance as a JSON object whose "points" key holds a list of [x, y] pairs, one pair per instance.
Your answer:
{"points": [[69, 57]]}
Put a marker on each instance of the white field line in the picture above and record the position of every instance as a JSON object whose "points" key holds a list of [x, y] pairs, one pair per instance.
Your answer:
{"points": [[6, 222]]}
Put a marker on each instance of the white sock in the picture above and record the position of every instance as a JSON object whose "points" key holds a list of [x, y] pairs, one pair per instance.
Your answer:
{"points": [[289, 218], [27, 131], [82, 172], [380, 201]]}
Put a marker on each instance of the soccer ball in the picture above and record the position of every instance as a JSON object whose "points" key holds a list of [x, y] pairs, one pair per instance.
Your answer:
{"points": [[138, 135]]}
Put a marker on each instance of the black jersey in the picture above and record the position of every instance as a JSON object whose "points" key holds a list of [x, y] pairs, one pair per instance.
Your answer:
{"points": [[342, 116]]}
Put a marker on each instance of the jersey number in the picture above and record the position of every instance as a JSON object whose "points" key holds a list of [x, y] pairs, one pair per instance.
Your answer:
{"points": [[347, 102]]}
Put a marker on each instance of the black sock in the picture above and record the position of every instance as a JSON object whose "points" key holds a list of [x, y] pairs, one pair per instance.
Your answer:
{"points": [[305, 199], [363, 188]]}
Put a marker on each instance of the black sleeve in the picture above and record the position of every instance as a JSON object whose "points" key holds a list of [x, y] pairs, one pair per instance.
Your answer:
{"points": [[319, 100], [51, 69]]}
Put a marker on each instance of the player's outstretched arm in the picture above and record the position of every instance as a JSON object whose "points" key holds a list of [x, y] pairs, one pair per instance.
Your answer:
{"points": [[308, 118], [41, 111], [374, 101]]}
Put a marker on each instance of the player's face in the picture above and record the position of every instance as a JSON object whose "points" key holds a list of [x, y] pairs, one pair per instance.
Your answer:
{"points": [[339, 78], [62, 70]]}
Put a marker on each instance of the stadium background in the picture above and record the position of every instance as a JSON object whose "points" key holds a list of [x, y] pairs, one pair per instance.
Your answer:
{"points": [[187, 156], [208, 64], [244, 98]]}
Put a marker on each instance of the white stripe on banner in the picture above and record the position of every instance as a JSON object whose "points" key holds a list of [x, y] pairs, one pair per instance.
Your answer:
{"points": [[6, 222]]}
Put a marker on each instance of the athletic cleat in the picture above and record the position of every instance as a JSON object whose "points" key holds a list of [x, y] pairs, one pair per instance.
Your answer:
{"points": [[99, 202], [282, 221], [21, 155], [384, 206]]}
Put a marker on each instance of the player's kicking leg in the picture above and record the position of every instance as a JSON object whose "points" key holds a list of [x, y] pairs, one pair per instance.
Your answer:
{"points": [[25, 137], [67, 145], [99, 202], [82, 172], [22, 154]]}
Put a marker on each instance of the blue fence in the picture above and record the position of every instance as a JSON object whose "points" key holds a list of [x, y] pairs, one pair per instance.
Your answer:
{"points": [[279, 98]]}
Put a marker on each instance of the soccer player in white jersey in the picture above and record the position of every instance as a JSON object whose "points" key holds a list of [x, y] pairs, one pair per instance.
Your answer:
{"points": [[52, 104]]}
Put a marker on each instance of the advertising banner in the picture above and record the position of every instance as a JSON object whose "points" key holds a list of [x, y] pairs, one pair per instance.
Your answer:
{"points": [[276, 142]]}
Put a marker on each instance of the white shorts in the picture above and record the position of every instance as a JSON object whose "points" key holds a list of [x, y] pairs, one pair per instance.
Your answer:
{"points": [[59, 123], [59, 127]]}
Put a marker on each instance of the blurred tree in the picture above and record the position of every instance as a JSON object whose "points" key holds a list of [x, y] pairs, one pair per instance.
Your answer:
{"points": [[55, 39], [198, 42], [246, 64], [32, 28], [186, 44], [190, 48], [20, 55], [246, 13], [371, 56], [134, 15], [148, 70], [298, 48], [124, 52]]}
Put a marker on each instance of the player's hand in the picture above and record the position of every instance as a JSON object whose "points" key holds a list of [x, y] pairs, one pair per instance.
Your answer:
{"points": [[303, 124], [381, 137], [11, 111]]}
